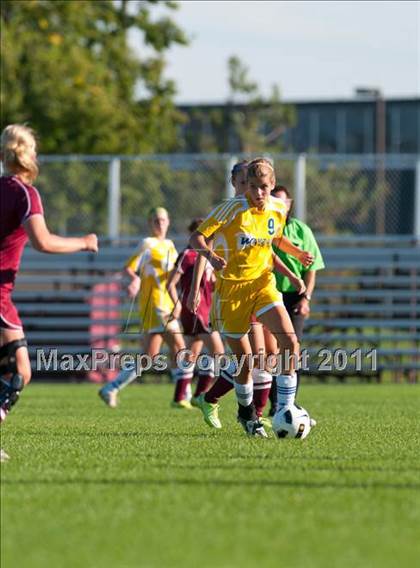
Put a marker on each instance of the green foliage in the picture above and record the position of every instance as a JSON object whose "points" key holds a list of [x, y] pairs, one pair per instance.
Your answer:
{"points": [[69, 71], [74, 195], [186, 188], [248, 123], [339, 199], [239, 82], [258, 125]]}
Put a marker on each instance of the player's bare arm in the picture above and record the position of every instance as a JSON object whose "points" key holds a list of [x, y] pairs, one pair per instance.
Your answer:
{"points": [[201, 244], [303, 306], [133, 286], [194, 295], [171, 286], [283, 243], [297, 282], [44, 241]]}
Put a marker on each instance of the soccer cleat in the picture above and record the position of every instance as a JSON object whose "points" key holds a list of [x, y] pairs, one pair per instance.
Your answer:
{"points": [[182, 404], [3, 413], [210, 412], [109, 396], [266, 422], [253, 428], [3, 456], [195, 402], [10, 391], [312, 422]]}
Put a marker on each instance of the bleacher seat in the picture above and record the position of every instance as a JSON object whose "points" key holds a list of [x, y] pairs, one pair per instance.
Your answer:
{"points": [[368, 297]]}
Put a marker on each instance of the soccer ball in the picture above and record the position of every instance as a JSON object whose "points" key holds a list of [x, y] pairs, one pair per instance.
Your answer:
{"points": [[292, 422]]}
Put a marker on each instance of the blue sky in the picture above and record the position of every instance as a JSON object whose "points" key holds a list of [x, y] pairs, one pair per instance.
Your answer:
{"points": [[311, 49]]}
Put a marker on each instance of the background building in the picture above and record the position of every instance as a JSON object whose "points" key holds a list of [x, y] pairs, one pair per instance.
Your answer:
{"points": [[328, 127]]}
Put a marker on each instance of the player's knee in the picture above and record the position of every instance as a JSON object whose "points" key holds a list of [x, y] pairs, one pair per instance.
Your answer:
{"points": [[295, 344], [14, 359], [290, 343], [178, 343]]}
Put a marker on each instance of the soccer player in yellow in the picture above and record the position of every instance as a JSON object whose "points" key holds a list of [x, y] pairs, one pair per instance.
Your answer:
{"points": [[148, 270], [209, 402], [244, 229]]}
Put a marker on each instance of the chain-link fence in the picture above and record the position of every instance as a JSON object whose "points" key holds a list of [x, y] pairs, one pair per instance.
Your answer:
{"points": [[336, 194]]}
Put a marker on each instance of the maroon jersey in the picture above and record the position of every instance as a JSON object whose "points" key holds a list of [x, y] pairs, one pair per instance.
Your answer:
{"points": [[18, 202], [194, 323]]}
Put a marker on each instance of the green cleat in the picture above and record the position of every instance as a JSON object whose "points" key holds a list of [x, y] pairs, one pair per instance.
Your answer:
{"points": [[195, 401], [210, 412], [181, 404], [266, 422]]}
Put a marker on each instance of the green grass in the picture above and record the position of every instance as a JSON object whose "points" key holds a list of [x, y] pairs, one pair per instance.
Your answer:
{"points": [[148, 486]]}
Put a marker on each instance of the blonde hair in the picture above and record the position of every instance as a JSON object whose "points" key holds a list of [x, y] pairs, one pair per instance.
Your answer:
{"points": [[17, 151], [259, 167], [156, 211]]}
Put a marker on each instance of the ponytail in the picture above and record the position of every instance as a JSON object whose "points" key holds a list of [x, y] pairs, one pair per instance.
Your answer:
{"points": [[18, 151]]}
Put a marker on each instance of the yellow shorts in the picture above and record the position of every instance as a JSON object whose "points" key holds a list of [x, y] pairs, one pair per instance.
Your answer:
{"points": [[155, 320], [234, 303]]}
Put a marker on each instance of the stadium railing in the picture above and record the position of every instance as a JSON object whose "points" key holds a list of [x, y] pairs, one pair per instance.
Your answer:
{"points": [[365, 313]]}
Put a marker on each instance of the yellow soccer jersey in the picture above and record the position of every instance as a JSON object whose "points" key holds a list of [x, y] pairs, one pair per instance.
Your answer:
{"points": [[153, 262], [243, 235]]}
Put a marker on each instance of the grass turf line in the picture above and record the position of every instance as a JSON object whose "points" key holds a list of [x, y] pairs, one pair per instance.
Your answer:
{"points": [[145, 485]]}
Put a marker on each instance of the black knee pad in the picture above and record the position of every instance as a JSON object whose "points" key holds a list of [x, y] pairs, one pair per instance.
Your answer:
{"points": [[8, 356], [11, 386]]}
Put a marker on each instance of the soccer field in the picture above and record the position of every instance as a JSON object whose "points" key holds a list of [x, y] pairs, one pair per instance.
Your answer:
{"points": [[145, 485]]}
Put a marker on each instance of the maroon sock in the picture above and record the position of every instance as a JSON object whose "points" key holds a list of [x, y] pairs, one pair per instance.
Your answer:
{"points": [[219, 389], [181, 389], [260, 399], [203, 384]]}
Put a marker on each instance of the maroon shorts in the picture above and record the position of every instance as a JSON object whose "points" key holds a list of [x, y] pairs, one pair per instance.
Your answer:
{"points": [[9, 317], [192, 324]]}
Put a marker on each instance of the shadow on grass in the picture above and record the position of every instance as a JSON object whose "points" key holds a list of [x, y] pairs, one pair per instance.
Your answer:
{"points": [[112, 434], [280, 467], [219, 483]]}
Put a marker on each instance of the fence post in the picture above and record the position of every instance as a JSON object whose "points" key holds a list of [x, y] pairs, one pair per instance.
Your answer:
{"points": [[114, 198], [230, 190], [417, 202], [300, 187]]}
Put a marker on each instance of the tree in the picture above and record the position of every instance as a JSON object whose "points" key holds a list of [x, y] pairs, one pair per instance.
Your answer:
{"points": [[249, 122], [258, 123], [68, 70]]}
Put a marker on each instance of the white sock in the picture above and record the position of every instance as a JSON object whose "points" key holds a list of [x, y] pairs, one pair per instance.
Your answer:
{"points": [[188, 392], [261, 379], [205, 367], [244, 393], [286, 390], [124, 378], [178, 374]]}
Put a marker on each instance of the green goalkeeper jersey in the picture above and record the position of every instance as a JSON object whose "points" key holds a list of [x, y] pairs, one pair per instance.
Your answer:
{"points": [[300, 235]]}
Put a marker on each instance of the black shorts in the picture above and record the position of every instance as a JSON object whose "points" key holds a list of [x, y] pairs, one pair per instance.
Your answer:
{"points": [[290, 300]]}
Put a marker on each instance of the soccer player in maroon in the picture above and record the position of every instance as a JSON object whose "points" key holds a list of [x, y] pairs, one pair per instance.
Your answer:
{"points": [[196, 324], [21, 217]]}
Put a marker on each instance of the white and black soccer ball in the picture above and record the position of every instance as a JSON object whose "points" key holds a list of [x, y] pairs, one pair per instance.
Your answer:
{"points": [[292, 422]]}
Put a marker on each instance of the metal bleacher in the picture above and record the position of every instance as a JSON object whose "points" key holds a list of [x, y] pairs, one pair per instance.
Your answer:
{"points": [[365, 313]]}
